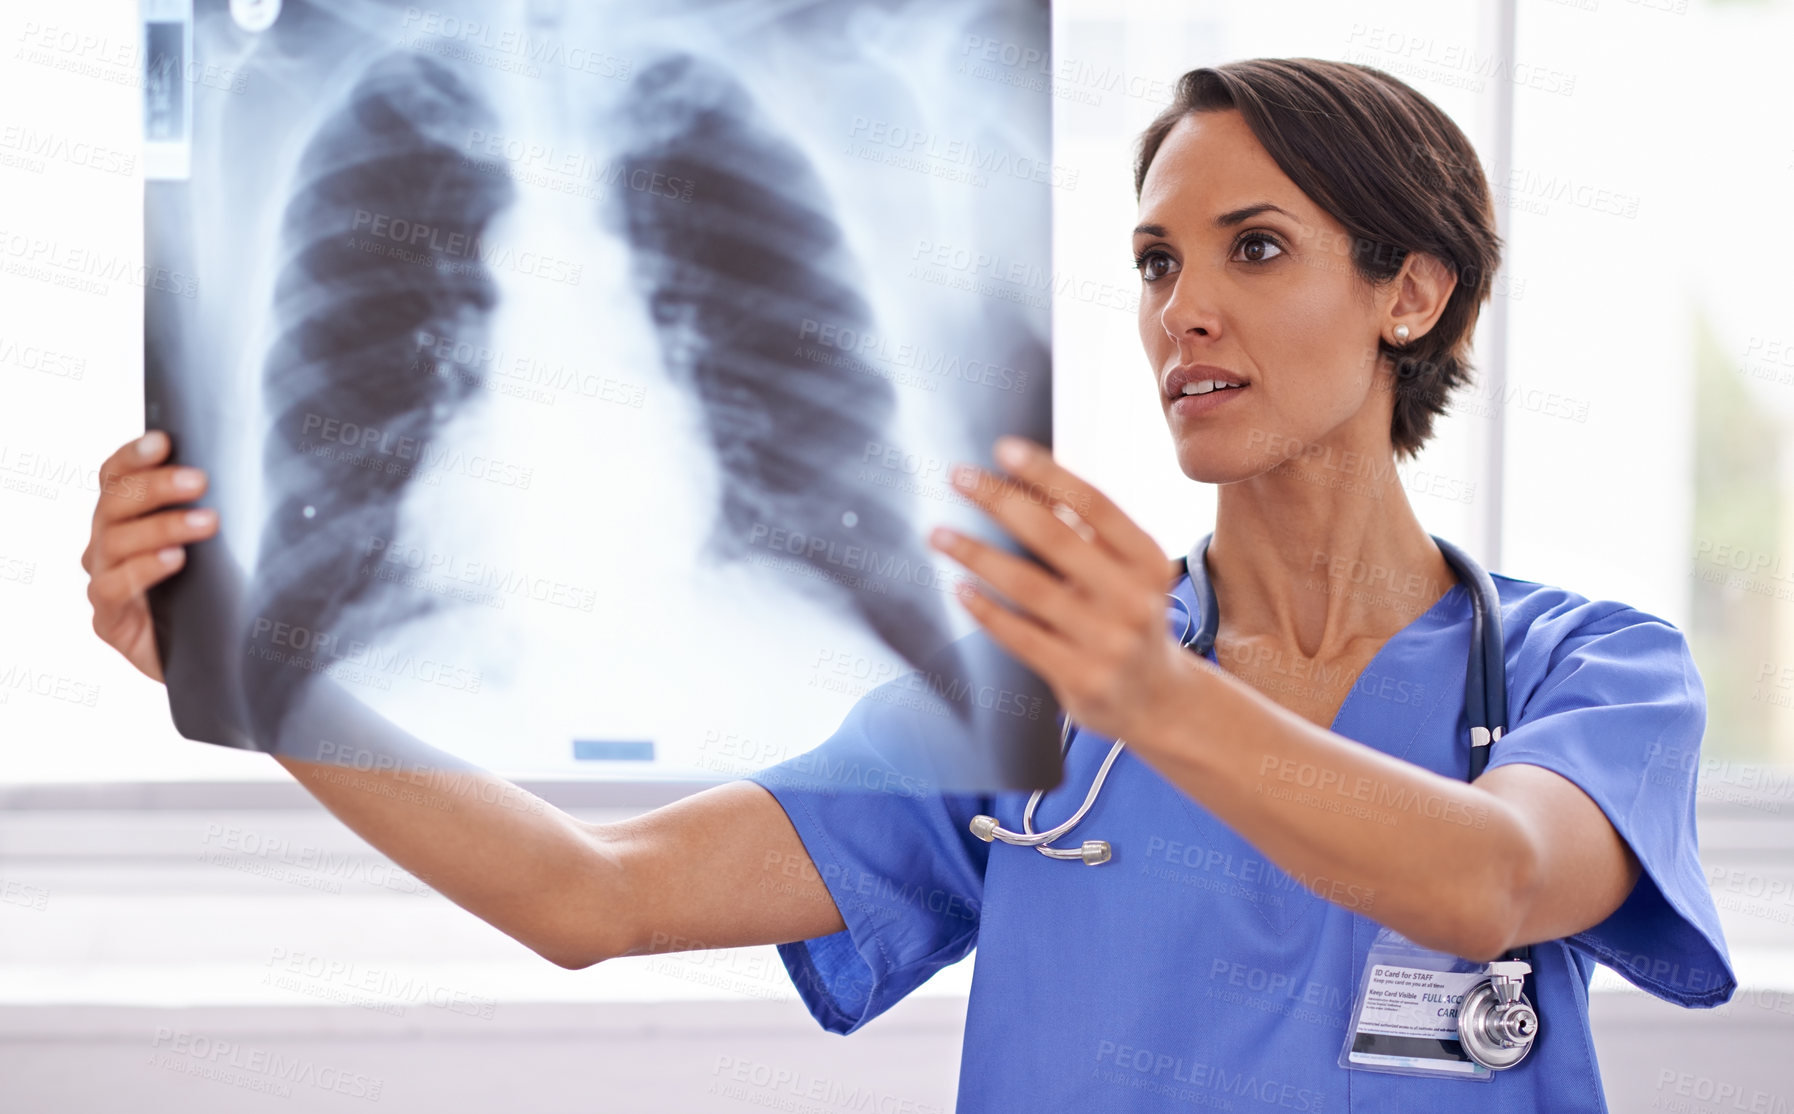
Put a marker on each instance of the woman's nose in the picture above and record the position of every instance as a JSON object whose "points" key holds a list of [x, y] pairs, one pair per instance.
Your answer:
{"points": [[1190, 312]]}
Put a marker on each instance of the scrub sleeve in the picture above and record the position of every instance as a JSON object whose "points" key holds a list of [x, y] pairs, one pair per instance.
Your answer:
{"points": [[896, 854], [1619, 709]]}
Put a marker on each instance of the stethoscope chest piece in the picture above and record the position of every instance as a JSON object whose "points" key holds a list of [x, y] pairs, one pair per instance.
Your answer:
{"points": [[1496, 1022]]}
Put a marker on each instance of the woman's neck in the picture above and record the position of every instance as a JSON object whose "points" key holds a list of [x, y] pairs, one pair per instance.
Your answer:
{"points": [[1318, 553]]}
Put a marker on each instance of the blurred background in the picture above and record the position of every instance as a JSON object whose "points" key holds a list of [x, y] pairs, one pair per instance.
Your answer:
{"points": [[175, 917]]}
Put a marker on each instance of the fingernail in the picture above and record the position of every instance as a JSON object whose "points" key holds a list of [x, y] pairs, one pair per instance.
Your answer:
{"points": [[942, 537], [169, 555], [200, 519], [149, 444], [188, 479], [1013, 452]]}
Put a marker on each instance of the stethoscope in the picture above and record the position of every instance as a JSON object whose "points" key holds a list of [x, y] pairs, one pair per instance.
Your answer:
{"points": [[1496, 1023]]}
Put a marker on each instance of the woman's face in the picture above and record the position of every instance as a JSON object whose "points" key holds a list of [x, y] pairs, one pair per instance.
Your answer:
{"points": [[1244, 278]]}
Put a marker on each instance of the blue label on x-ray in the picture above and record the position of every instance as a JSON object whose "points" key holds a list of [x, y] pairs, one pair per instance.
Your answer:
{"points": [[613, 750]]}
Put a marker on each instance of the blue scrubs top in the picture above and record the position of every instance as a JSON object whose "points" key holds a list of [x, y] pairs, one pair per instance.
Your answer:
{"points": [[1192, 971]]}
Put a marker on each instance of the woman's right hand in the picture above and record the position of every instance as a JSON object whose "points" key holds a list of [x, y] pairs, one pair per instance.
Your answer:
{"points": [[138, 541]]}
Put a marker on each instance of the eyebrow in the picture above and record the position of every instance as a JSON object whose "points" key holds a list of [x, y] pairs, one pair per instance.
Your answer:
{"points": [[1225, 220]]}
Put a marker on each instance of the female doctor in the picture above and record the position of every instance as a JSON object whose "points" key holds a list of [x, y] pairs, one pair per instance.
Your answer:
{"points": [[1301, 878]]}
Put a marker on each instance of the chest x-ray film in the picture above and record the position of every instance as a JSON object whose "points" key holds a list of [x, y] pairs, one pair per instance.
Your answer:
{"points": [[578, 381]]}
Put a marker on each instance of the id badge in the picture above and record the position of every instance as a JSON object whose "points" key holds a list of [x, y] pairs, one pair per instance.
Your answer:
{"points": [[1405, 1019]]}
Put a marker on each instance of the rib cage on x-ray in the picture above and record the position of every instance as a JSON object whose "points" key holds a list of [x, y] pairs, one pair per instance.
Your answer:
{"points": [[347, 320], [730, 278]]}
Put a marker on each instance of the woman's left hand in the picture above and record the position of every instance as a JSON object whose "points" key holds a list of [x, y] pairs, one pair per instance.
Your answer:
{"points": [[1096, 631]]}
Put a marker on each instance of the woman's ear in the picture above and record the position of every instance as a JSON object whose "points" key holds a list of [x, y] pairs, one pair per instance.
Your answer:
{"points": [[1421, 290]]}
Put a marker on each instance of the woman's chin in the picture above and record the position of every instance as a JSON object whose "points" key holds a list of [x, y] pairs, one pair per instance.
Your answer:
{"points": [[1211, 461]]}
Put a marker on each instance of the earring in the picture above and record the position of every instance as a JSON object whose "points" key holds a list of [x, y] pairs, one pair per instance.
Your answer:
{"points": [[1401, 334]]}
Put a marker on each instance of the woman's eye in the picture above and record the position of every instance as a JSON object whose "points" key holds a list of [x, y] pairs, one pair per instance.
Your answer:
{"points": [[1153, 265], [1257, 249]]}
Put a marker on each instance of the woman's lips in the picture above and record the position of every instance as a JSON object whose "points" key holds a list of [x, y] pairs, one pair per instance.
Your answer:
{"points": [[1193, 406]]}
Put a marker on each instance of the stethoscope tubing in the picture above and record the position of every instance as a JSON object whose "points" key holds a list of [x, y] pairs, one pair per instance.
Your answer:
{"points": [[1485, 689], [1485, 710], [1028, 837]]}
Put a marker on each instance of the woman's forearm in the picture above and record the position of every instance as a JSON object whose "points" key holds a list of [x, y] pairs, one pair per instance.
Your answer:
{"points": [[1437, 859], [720, 868], [501, 853]]}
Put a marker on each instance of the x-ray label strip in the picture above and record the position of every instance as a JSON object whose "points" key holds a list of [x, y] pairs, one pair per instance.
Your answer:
{"points": [[167, 103], [613, 750]]}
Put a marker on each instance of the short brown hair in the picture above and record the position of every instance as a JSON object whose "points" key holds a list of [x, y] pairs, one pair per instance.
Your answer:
{"points": [[1392, 168]]}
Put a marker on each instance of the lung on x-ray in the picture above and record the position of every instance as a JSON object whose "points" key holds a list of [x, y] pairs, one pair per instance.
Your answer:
{"points": [[578, 381]]}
